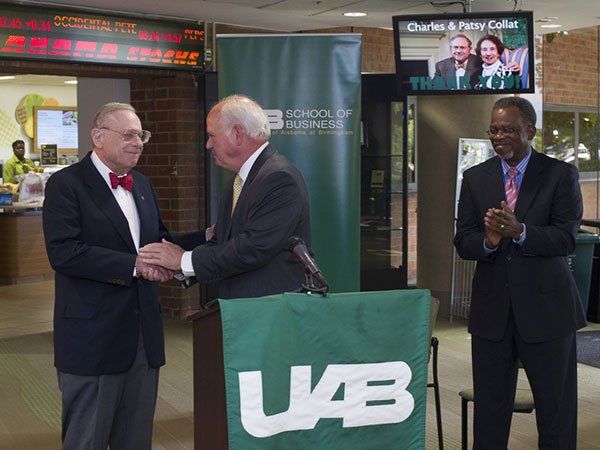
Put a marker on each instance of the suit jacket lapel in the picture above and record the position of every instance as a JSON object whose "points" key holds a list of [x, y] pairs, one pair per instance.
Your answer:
{"points": [[265, 154], [105, 201], [142, 197], [228, 192], [529, 185], [225, 211], [495, 183]]}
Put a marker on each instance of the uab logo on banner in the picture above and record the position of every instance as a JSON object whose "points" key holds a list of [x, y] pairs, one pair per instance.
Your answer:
{"points": [[374, 394]]}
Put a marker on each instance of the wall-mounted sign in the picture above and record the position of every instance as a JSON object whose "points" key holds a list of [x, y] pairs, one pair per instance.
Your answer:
{"points": [[62, 35]]}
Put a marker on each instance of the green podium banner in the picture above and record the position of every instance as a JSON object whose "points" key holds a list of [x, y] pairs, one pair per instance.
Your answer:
{"points": [[310, 87], [347, 371]]}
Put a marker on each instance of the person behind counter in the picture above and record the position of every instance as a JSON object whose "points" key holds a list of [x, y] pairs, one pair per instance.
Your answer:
{"points": [[18, 164]]}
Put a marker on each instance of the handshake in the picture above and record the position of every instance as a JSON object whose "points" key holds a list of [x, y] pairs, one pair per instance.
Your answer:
{"points": [[159, 261]]}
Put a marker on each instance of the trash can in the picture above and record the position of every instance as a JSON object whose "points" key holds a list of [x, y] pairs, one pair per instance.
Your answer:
{"points": [[593, 311], [580, 263]]}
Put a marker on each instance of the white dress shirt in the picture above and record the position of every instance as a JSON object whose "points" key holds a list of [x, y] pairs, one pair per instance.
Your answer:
{"points": [[125, 200], [460, 72]]}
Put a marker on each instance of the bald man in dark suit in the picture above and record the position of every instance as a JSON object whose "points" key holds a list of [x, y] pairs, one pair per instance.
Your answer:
{"points": [[518, 217]]}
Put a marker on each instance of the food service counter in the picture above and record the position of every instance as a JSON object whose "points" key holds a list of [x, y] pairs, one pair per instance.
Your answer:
{"points": [[22, 247]]}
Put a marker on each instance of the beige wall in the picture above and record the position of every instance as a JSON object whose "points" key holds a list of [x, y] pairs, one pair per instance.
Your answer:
{"points": [[442, 120], [12, 95]]}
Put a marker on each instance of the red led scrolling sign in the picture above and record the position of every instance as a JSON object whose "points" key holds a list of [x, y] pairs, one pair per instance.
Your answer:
{"points": [[79, 37]]}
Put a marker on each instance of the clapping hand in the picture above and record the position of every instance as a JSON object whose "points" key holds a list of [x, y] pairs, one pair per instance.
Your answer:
{"points": [[501, 223]]}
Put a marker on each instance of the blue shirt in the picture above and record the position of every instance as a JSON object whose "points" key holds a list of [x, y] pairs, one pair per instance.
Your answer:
{"points": [[521, 167]]}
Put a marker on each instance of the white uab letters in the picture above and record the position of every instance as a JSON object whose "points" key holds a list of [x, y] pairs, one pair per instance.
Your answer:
{"points": [[382, 383]]}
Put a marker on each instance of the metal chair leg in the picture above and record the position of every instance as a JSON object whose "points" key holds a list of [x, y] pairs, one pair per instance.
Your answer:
{"points": [[464, 424], [436, 391]]}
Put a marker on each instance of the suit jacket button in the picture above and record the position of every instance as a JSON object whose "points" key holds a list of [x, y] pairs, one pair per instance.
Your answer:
{"points": [[136, 311]]}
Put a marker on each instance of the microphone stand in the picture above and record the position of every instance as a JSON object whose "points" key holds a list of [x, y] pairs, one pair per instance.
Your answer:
{"points": [[308, 287]]}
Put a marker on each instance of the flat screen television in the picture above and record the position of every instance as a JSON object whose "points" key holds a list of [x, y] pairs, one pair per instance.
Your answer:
{"points": [[469, 53], [55, 125]]}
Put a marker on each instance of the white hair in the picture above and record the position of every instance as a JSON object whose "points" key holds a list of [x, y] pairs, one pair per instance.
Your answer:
{"points": [[107, 109], [245, 112]]}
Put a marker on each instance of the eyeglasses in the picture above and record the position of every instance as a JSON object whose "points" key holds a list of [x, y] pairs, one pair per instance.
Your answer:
{"points": [[130, 134], [504, 130]]}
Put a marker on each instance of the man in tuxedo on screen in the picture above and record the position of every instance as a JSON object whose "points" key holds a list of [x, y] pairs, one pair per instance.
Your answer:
{"points": [[262, 206], [108, 332], [518, 217], [462, 69]]}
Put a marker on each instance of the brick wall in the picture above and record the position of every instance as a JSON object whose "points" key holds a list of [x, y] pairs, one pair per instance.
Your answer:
{"points": [[571, 68], [174, 160], [377, 44], [377, 47]]}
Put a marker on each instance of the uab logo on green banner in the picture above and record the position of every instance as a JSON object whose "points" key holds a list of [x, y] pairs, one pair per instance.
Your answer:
{"points": [[348, 371], [373, 394]]}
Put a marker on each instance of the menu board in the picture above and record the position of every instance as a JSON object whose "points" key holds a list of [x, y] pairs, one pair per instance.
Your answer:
{"points": [[68, 35], [55, 125]]}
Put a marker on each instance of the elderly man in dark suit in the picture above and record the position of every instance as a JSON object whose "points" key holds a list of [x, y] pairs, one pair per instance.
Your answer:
{"points": [[108, 335], [462, 69], [518, 217], [261, 207]]}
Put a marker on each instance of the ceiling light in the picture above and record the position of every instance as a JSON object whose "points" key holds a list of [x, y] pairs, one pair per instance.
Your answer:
{"points": [[355, 14], [7, 77], [71, 82], [551, 25]]}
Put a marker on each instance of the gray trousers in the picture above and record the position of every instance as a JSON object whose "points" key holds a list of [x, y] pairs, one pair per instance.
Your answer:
{"points": [[115, 410]]}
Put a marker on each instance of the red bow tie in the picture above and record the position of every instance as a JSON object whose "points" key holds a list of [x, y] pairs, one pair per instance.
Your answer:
{"points": [[126, 182]]}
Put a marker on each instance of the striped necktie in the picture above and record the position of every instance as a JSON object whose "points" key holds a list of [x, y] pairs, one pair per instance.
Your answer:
{"points": [[511, 189], [237, 188]]}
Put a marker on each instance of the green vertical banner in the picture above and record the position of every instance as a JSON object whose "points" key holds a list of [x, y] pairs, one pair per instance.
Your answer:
{"points": [[309, 85], [348, 371]]}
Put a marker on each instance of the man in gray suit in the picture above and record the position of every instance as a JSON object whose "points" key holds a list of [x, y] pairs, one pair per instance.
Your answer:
{"points": [[248, 253], [462, 69]]}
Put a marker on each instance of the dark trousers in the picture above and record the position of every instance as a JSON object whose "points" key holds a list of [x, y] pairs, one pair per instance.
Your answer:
{"points": [[115, 410], [551, 369]]}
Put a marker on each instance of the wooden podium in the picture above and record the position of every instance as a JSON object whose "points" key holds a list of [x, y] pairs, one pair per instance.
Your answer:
{"points": [[210, 409]]}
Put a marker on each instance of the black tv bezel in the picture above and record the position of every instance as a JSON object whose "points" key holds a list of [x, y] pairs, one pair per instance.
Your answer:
{"points": [[405, 88]]}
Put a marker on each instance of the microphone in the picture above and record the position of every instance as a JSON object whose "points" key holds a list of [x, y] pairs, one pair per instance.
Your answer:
{"points": [[296, 245]]}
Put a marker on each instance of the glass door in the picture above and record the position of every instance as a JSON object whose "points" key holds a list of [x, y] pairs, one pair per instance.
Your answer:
{"points": [[383, 185]]}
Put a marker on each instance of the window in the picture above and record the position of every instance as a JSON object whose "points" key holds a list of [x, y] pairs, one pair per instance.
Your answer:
{"points": [[565, 131], [573, 136]]}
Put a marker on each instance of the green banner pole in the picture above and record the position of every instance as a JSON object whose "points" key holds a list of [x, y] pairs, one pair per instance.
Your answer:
{"points": [[310, 87]]}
